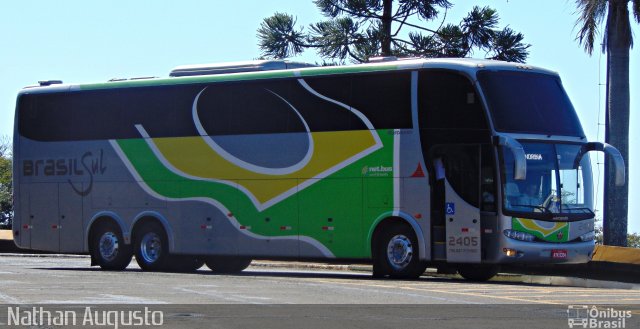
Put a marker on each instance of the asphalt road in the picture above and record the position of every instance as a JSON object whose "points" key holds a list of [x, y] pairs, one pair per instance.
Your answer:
{"points": [[264, 292]]}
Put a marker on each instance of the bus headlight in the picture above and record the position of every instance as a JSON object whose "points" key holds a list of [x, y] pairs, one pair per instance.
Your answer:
{"points": [[588, 236], [517, 235]]}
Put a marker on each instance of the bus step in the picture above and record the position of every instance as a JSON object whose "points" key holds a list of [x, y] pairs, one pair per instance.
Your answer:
{"points": [[439, 233], [439, 251]]}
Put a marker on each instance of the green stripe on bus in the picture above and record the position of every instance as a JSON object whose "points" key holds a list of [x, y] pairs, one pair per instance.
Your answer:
{"points": [[347, 194], [308, 72]]}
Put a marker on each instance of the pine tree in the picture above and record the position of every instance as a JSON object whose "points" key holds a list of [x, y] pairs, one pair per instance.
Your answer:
{"points": [[356, 30]]}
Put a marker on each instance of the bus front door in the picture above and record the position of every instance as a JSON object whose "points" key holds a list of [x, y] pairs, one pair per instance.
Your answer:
{"points": [[457, 195]]}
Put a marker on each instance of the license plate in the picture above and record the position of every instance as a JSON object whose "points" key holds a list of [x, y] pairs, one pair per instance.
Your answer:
{"points": [[559, 253]]}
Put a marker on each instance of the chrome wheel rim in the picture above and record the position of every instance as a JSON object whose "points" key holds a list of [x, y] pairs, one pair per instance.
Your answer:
{"points": [[109, 246], [151, 247], [399, 252]]}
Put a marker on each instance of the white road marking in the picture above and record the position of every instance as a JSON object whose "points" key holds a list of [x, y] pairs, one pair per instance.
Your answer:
{"points": [[9, 299], [223, 296]]}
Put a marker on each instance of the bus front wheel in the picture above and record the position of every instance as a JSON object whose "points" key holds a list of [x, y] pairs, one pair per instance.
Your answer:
{"points": [[108, 248], [396, 254], [228, 265], [151, 247]]}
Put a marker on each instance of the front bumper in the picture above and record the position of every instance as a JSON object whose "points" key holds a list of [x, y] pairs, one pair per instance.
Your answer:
{"points": [[542, 252]]}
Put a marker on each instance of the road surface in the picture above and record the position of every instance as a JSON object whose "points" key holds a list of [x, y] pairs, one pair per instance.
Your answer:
{"points": [[294, 295]]}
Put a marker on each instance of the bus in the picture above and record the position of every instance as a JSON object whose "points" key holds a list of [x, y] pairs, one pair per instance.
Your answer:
{"points": [[455, 164]]}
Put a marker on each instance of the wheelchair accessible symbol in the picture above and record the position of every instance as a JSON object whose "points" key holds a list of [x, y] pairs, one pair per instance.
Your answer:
{"points": [[450, 208]]}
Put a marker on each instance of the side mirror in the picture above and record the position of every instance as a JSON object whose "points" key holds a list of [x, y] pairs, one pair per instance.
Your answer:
{"points": [[520, 160], [616, 157]]}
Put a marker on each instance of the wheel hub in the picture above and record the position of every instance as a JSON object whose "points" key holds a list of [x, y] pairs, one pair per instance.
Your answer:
{"points": [[109, 246], [151, 247], [399, 252]]}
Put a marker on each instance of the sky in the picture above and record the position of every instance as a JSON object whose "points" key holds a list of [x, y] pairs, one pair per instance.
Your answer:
{"points": [[81, 41]]}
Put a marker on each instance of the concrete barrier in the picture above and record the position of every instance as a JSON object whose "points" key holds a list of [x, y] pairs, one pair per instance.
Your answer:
{"points": [[6, 242], [616, 255]]}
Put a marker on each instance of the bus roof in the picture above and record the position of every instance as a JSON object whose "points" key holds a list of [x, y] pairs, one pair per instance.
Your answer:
{"points": [[468, 65]]}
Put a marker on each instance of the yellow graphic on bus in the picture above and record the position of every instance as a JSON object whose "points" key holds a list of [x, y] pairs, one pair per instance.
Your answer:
{"points": [[192, 156]]}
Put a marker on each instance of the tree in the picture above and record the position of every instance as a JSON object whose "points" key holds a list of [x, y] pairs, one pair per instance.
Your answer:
{"points": [[360, 29], [616, 42], [6, 206], [633, 239]]}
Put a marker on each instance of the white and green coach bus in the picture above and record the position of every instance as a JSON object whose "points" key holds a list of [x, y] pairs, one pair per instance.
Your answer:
{"points": [[449, 163]]}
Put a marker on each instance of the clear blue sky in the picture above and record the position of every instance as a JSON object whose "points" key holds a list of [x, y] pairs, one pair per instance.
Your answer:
{"points": [[91, 41]]}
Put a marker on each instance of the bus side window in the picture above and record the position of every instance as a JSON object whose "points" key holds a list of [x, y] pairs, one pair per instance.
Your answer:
{"points": [[450, 102], [385, 98]]}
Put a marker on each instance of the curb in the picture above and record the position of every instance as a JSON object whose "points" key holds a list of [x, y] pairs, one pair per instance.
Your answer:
{"points": [[611, 267], [577, 282], [26, 255], [430, 273]]}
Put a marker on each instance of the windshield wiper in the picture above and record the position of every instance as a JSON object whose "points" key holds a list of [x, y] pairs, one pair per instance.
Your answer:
{"points": [[544, 210]]}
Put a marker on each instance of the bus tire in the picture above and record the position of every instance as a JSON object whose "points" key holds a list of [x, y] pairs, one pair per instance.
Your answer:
{"points": [[227, 265], [184, 264], [397, 254], [108, 248], [151, 247], [478, 272]]}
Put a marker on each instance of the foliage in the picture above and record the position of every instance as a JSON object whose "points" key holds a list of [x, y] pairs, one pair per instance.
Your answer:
{"points": [[360, 29], [6, 205], [616, 42], [591, 16], [633, 239]]}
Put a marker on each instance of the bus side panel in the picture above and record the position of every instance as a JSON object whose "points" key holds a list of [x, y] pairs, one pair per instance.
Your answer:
{"points": [[331, 213], [58, 181], [71, 226], [277, 227], [21, 234], [17, 223], [415, 202], [201, 229], [43, 212], [415, 193]]}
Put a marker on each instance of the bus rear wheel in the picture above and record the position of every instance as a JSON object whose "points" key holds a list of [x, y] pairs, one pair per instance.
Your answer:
{"points": [[108, 248], [396, 254], [151, 247], [227, 265], [478, 272]]}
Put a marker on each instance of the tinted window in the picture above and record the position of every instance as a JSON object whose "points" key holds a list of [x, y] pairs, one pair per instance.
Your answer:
{"points": [[106, 114], [385, 98], [318, 97], [249, 108], [528, 102], [235, 108], [448, 100], [462, 169]]}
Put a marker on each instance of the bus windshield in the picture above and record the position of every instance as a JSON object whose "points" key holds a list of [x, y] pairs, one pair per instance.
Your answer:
{"points": [[527, 102], [555, 187]]}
